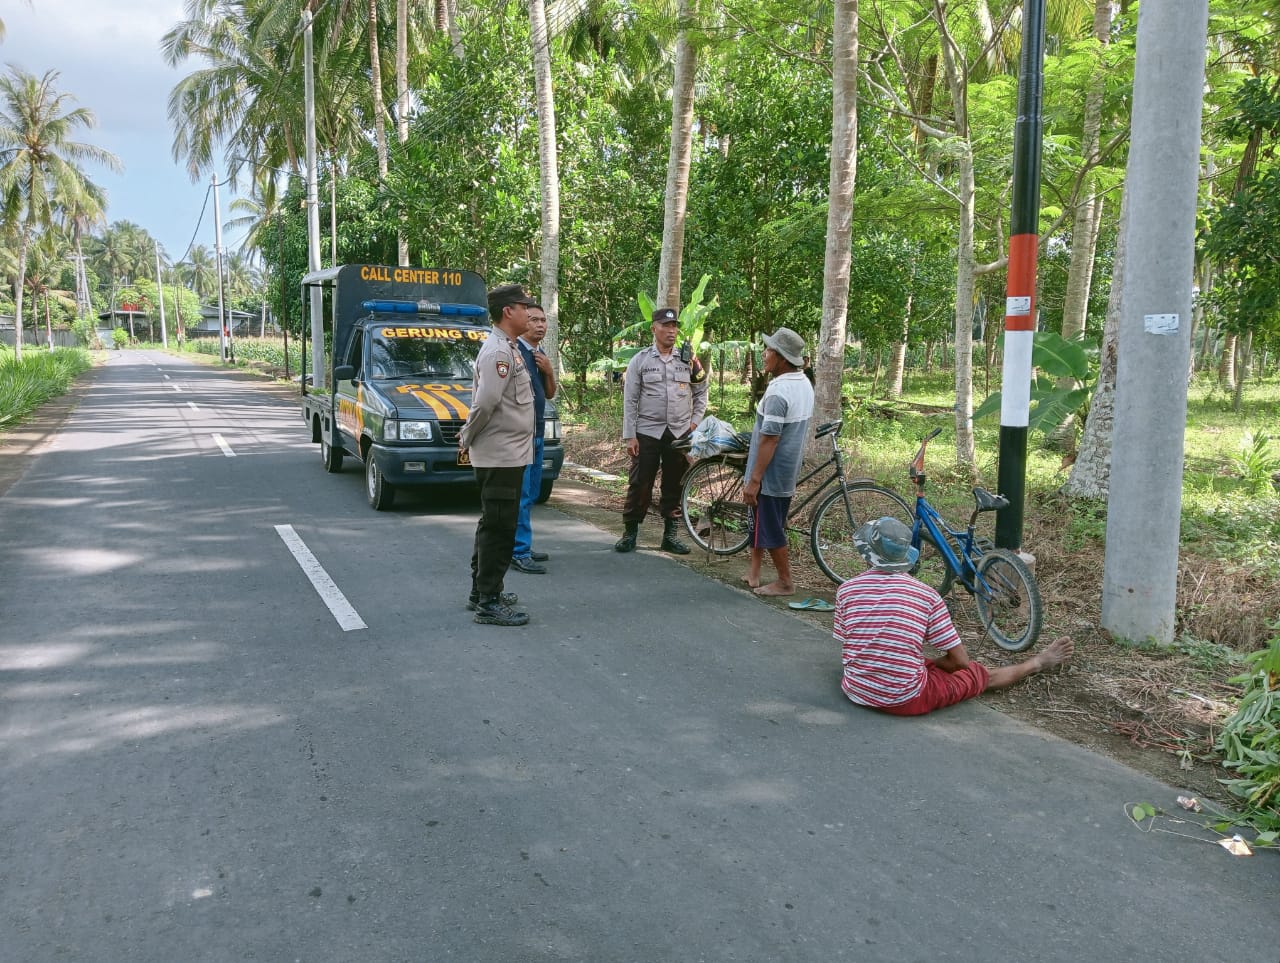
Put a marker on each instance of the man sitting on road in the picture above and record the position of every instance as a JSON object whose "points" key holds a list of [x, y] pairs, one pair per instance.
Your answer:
{"points": [[884, 618]]}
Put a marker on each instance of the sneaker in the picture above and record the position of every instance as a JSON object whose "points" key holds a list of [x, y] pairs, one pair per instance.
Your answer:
{"points": [[528, 566], [540, 556], [491, 611], [506, 598]]}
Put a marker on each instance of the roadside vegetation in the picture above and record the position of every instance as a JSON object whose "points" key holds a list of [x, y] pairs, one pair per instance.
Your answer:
{"points": [[39, 377]]}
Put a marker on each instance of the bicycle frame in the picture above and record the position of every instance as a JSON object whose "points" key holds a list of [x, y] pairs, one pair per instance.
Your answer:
{"points": [[965, 568]]}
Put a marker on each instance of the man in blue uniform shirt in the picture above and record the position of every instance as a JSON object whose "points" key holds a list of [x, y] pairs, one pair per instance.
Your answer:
{"points": [[543, 377]]}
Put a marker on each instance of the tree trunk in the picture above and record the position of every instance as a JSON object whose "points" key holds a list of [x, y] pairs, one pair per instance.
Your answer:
{"points": [[402, 104], [17, 291], [964, 316], [1243, 350], [958, 85], [1227, 363], [829, 370], [549, 178], [379, 109], [678, 160], [1090, 476], [898, 357]]}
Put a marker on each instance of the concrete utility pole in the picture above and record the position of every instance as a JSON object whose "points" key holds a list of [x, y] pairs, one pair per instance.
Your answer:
{"points": [[217, 256], [1139, 586], [164, 334], [313, 202]]}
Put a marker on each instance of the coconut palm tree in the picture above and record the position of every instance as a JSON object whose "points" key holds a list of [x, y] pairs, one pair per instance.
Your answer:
{"points": [[199, 271], [38, 160]]}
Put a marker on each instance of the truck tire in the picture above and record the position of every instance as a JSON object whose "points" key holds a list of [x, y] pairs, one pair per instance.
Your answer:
{"points": [[545, 491], [331, 455], [381, 493]]}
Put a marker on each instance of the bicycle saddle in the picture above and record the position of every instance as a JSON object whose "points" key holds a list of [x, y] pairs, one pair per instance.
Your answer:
{"points": [[988, 502]]}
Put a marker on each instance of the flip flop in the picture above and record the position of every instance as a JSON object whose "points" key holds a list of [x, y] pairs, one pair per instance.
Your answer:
{"points": [[814, 605]]}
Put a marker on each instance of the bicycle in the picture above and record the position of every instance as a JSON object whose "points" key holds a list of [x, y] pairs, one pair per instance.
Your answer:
{"points": [[1004, 590], [715, 513]]}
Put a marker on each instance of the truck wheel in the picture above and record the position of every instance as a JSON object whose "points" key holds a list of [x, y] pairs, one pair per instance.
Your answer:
{"points": [[545, 491], [331, 456], [380, 491]]}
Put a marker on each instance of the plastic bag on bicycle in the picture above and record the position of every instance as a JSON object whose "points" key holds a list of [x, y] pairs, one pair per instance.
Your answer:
{"points": [[713, 437]]}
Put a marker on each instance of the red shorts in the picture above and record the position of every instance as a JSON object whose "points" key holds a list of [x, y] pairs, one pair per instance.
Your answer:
{"points": [[942, 688]]}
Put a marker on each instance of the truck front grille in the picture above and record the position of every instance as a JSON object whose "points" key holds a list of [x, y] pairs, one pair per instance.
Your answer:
{"points": [[449, 431]]}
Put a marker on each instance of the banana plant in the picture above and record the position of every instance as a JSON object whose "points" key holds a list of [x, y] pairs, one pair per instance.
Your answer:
{"points": [[693, 323], [1054, 358]]}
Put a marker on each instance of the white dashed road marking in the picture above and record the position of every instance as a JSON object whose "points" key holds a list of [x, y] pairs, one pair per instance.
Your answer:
{"points": [[330, 594], [222, 443]]}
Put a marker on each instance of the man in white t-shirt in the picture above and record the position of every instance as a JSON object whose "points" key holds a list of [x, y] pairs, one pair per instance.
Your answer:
{"points": [[777, 455]]}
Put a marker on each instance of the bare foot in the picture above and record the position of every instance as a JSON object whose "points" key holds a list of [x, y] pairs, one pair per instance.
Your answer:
{"points": [[751, 581], [1056, 652], [775, 588]]}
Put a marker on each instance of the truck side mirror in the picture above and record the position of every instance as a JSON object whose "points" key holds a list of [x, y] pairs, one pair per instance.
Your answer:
{"points": [[344, 372]]}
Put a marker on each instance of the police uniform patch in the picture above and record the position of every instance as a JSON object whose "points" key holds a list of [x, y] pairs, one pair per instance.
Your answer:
{"points": [[503, 368], [697, 372]]}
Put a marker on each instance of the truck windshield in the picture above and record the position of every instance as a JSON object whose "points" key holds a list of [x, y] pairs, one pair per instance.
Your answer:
{"points": [[438, 358]]}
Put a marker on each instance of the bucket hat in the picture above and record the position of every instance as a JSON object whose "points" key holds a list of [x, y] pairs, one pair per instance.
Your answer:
{"points": [[788, 344], [886, 545]]}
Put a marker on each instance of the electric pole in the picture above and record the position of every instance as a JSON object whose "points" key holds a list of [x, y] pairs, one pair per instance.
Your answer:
{"points": [[217, 256], [313, 202], [1140, 575]]}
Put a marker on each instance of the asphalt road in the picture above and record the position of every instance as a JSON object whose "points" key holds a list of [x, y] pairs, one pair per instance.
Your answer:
{"points": [[198, 762]]}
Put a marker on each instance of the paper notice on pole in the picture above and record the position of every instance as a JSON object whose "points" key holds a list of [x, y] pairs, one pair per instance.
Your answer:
{"points": [[1160, 323], [1017, 306]]}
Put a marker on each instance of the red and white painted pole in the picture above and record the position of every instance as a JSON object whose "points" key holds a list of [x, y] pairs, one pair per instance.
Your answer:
{"points": [[1020, 300]]}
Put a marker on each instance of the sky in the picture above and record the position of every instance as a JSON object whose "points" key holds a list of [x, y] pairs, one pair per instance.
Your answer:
{"points": [[107, 55]]}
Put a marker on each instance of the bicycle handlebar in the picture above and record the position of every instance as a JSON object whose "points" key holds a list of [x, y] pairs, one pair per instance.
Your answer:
{"points": [[917, 463]]}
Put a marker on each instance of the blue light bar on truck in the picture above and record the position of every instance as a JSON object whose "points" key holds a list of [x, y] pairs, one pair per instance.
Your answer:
{"points": [[425, 307]]}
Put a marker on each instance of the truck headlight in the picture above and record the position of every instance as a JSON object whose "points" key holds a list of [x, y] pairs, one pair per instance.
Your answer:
{"points": [[408, 431], [551, 430]]}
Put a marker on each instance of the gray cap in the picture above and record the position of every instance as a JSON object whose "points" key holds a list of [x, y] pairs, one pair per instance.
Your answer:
{"points": [[788, 344], [886, 545]]}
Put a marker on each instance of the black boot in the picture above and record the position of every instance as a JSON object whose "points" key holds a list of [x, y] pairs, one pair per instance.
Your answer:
{"points": [[506, 598], [669, 541], [627, 543], [491, 611]]}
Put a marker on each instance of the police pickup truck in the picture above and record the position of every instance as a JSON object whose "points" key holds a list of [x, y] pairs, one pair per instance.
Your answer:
{"points": [[401, 374]]}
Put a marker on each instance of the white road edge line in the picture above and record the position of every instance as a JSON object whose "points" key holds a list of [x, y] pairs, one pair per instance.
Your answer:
{"points": [[347, 617], [222, 443]]}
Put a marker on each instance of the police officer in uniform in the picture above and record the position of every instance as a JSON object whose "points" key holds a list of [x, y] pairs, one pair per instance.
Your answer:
{"points": [[665, 396], [499, 436]]}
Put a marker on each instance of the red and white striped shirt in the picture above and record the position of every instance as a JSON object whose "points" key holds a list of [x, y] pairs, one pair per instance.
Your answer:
{"points": [[882, 620]]}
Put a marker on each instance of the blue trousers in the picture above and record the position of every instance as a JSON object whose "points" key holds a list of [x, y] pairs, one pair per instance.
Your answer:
{"points": [[528, 495]]}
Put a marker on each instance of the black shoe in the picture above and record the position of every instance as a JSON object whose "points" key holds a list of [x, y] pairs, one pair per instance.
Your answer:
{"points": [[506, 598], [669, 541], [491, 611], [539, 556], [528, 566], [627, 543]]}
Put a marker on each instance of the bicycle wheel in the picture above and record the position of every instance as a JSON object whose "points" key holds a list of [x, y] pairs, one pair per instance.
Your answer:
{"points": [[840, 515], [1008, 600], [712, 506]]}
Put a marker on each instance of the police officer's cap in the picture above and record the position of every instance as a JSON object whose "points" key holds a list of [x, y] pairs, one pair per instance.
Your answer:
{"points": [[666, 316], [508, 294]]}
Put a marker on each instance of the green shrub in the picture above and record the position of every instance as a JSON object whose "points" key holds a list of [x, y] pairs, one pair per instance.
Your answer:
{"points": [[119, 337], [40, 375], [1250, 741]]}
